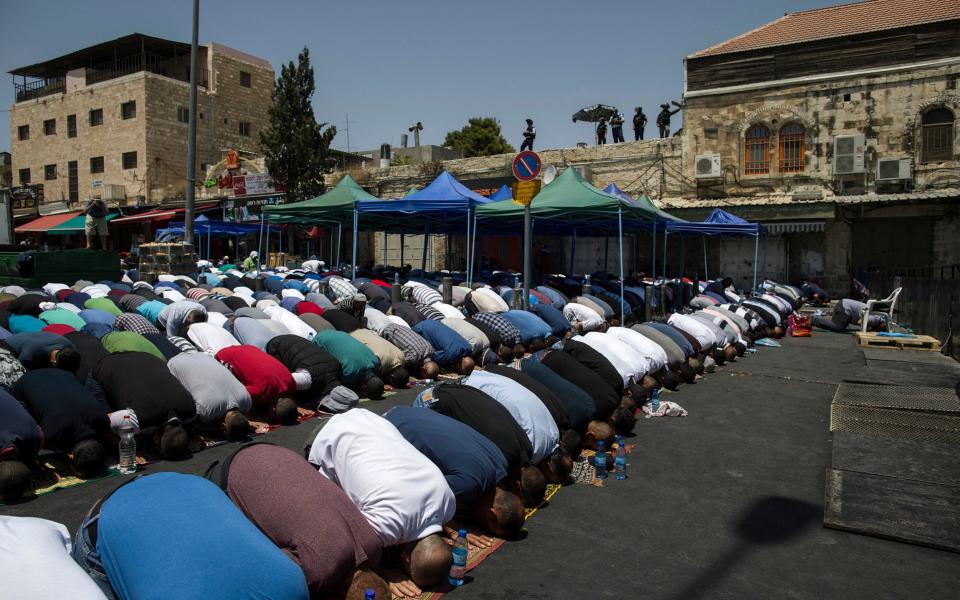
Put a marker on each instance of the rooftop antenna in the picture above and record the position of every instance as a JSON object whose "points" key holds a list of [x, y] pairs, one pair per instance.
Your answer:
{"points": [[346, 123]]}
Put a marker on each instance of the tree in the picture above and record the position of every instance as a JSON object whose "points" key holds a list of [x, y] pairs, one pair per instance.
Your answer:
{"points": [[480, 137], [295, 145]]}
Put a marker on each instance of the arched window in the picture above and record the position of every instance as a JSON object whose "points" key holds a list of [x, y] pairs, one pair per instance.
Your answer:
{"points": [[756, 153], [791, 148], [936, 135]]}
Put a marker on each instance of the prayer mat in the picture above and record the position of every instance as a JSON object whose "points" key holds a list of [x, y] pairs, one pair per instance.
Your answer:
{"points": [[475, 557], [55, 473]]}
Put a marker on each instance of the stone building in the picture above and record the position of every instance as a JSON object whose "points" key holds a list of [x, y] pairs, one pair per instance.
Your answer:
{"points": [[836, 127], [111, 120]]}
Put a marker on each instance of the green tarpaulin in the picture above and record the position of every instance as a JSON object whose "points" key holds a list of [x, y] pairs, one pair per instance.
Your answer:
{"points": [[76, 225], [334, 206], [569, 198]]}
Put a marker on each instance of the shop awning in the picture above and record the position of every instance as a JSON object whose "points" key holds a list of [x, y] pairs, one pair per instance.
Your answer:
{"points": [[159, 215], [44, 224], [75, 225]]}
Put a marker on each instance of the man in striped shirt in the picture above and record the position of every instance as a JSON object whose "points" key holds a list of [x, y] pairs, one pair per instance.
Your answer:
{"points": [[417, 351]]}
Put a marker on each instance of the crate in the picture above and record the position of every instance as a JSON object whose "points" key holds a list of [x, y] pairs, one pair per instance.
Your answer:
{"points": [[871, 339]]}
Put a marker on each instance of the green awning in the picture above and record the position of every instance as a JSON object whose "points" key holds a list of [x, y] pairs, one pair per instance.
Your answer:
{"points": [[76, 225], [334, 206], [571, 199]]}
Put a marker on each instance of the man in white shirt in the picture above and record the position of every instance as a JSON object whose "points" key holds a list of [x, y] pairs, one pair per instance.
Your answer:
{"points": [[448, 310], [533, 417], [376, 320], [403, 495], [694, 328], [290, 321], [582, 317], [653, 353], [210, 338], [630, 365], [484, 299], [35, 561]]}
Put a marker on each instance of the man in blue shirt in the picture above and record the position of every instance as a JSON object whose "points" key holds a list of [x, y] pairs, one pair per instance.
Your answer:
{"points": [[20, 441], [553, 317], [533, 329], [170, 535], [473, 466], [451, 350]]}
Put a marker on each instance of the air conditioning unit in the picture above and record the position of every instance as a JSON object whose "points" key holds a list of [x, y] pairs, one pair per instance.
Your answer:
{"points": [[891, 169], [114, 192], [707, 166], [848, 151]]}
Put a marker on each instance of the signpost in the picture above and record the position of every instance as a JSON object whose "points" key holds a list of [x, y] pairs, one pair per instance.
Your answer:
{"points": [[526, 167]]}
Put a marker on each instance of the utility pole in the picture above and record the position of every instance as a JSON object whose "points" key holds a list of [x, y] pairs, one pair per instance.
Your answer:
{"points": [[347, 123], [192, 131]]}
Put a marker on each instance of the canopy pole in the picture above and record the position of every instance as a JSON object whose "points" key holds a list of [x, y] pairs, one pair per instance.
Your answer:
{"points": [[260, 241], [466, 239], [426, 246], [385, 257], [706, 274], [623, 318], [401, 249], [573, 250], [756, 250], [473, 250], [339, 237], [356, 218], [763, 271], [208, 242], [653, 265]]}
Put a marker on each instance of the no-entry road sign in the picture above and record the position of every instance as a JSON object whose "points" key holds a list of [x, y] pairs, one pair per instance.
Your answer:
{"points": [[526, 165]]}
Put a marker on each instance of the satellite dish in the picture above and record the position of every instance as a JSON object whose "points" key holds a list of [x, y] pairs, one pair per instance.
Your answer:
{"points": [[549, 174]]}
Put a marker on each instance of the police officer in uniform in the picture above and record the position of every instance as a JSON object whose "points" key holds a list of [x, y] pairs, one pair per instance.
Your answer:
{"points": [[529, 134]]}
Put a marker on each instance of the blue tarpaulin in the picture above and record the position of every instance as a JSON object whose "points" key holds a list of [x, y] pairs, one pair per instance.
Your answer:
{"points": [[504, 193], [444, 195], [720, 222]]}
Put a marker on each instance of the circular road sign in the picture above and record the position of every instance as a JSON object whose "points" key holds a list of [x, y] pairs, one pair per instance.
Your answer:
{"points": [[526, 165]]}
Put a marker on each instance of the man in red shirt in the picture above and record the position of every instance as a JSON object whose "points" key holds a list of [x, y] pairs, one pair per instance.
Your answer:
{"points": [[270, 384]]}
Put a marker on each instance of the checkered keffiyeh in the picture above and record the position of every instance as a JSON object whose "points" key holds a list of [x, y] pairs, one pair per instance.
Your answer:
{"points": [[429, 312], [415, 347], [134, 322], [340, 288], [509, 334], [183, 344], [130, 302]]}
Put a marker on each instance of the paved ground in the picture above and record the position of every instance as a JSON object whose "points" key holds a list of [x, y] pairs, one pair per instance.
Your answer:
{"points": [[726, 503]]}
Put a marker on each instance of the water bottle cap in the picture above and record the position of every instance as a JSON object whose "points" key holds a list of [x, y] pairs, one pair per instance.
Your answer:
{"points": [[601, 445], [462, 533], [369, 594]]}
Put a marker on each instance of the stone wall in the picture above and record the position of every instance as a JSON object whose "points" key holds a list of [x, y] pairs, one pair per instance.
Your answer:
{"points": [[885, 107], [220, 111], [155, 133], [110, 139]]}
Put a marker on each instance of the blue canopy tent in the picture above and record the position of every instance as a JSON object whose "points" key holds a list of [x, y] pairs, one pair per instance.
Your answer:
{"points": [[504, 193], [205, 226], [719, 223], [442, 203]]}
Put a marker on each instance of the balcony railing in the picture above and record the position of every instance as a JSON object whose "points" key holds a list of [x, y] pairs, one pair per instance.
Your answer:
{"points": [[175, 68], [40, 88]]}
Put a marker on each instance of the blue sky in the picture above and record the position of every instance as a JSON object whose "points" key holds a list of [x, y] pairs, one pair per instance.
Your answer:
{"points": [[389, 64]]}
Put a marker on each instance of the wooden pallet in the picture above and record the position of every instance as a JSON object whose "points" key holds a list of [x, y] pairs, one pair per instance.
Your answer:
{"points": [[917, 342]]}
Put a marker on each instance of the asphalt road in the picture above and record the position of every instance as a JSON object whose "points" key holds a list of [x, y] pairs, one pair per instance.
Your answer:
{"points": [[726, 503]]}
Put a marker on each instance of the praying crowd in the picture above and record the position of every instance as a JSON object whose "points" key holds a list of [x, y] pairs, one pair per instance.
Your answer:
{"points": [[507, 401]]}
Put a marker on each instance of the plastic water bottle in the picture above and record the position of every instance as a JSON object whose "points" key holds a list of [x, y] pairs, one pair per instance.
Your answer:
{"points": [[620, 462], [459, 567], [600, 460], [369, 595], [128, 447], [655, 400]]}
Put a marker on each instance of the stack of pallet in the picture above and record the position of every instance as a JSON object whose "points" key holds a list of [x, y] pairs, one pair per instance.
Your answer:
{"points": [[167, 258]]}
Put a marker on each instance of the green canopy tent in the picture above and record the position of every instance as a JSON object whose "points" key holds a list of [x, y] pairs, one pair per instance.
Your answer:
{"points": [[331, 208], [569, 203]]}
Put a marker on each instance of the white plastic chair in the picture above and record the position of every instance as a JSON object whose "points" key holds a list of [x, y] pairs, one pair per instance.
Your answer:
{"points": [[885, 306]]}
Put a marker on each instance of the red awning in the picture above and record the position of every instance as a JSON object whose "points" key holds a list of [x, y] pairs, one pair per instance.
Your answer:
{"points": [[43, 224], [158, 215]]}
